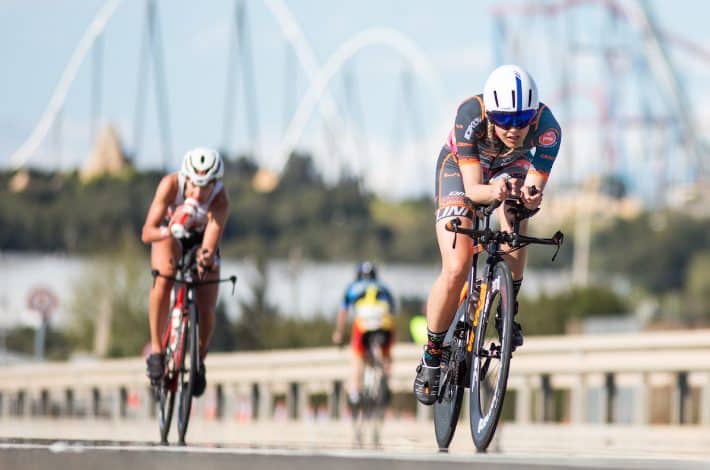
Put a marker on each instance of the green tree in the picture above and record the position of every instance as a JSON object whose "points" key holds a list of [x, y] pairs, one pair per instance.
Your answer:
{"points": [[550, 314], [697, 290], [110, 303]]}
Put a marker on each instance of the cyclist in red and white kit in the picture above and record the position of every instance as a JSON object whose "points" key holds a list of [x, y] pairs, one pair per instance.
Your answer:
{"points": [[488, 156], [191, 201]]}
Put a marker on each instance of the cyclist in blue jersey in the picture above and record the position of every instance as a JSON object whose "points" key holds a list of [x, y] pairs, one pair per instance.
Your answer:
{"points": [[504, 142], [373, 307]]}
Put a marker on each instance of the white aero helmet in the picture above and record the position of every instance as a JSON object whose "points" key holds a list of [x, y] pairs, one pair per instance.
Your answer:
{"points": [[202, 165], [510, 89]]}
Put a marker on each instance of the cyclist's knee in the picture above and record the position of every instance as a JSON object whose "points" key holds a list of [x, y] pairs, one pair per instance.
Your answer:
{"points": [[454, 273]]}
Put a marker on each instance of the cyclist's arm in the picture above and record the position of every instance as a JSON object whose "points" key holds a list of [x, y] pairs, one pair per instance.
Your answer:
{"points": [[164, 196], [478, 192], [469, 124], [547, 139], [340, 320], [216, 220]]}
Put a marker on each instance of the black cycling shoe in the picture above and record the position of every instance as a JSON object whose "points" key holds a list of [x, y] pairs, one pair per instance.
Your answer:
{"points": [[517, 328], [426, 384], [200, 381], [155, 363]]}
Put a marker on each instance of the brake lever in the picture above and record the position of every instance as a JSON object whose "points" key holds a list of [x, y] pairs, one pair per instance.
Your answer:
{"points": [[455, 225], [557, 238]]}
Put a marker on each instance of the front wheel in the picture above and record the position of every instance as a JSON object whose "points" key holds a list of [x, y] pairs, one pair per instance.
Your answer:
{"points": [[491, 356], [447, 407], [188, 372], [165, 400]]}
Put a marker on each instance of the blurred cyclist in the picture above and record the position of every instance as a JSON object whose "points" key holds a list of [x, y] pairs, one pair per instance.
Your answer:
{"points": [[197, 190], [373, 306], [488, 157]]}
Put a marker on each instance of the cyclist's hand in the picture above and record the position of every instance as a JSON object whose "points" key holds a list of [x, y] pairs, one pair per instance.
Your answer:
{"points": [[531, 199], [499, 189], [205, 261], [514, 186]]}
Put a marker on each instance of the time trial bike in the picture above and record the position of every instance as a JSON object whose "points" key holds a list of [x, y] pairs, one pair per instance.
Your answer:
{"points": [[478, 344]]}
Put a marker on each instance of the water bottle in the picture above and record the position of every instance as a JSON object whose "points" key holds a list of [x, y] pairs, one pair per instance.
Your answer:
{"points": [[180, 228]]}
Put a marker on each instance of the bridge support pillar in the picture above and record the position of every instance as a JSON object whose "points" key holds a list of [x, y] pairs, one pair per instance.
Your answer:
{"points": [[24, 403], [609, 397], [545, 403], [335, 400], [642, 401], [578, 400], [705, 402], [119, 405], [523, 397], [95, 402], [681, 398], [147, 400], [69, 402], [264, 401]]}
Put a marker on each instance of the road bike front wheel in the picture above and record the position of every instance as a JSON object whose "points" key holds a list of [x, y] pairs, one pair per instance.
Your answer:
{"points": [[188, 372], [166, 403], [447, 407], [491, 356]]}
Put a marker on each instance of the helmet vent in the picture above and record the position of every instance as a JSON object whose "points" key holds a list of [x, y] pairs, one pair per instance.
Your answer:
{"points": [[202, 159], [495, 95], [529, 97], [512, 96]]}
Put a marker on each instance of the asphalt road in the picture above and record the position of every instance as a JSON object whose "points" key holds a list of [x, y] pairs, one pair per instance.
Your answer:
{"points": [[86, 455]]}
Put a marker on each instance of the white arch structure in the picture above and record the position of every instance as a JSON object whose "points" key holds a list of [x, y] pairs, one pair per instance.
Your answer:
{"points": [[23, 154], [318, 87], [278, 9], [316, 94]]}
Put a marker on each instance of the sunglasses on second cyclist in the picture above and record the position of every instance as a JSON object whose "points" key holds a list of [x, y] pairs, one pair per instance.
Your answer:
{"points": [[516, 119]]}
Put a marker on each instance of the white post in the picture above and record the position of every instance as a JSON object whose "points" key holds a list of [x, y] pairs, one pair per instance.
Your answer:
{"points": [[523, 399], [642, 401], [578, 400]]}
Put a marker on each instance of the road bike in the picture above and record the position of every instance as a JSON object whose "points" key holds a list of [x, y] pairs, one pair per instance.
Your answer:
{"points": [[180, 341], [374, 394], [476, 354]]}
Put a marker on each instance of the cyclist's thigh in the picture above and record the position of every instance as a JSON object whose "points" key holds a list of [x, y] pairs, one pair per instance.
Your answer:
{"points": [[450, 192], [450, 204], [162, 258]]}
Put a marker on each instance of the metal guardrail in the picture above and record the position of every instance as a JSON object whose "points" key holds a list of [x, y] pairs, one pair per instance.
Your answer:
{"points": [[582, 370]]}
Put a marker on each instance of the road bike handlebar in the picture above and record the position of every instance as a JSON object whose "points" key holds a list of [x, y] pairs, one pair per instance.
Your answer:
{"points": [[515, 239], [233, 279]]}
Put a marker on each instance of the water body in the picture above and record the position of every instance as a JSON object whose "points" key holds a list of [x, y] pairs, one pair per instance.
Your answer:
{"points": [[304, 289]]}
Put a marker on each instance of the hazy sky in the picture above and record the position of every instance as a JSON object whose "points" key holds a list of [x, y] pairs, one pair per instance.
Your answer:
{"points": [[452, 40]]}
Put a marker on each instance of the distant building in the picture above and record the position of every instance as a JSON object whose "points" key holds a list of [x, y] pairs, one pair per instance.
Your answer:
{"points": [[107, 158]]}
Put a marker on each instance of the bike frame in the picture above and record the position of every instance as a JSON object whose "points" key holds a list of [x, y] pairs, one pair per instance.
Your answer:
{"points": [[466, 350], [183, 320]]}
